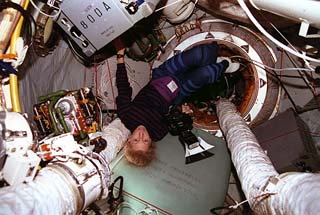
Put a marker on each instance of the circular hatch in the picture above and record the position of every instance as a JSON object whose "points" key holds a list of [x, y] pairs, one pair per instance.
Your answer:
{"points": [[256, 92]]}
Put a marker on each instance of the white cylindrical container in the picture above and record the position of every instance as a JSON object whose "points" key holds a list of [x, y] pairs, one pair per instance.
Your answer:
{"points": [[299, 10]]}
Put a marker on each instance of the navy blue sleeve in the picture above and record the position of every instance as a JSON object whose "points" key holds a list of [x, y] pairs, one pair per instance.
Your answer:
{"points": [[124, 97]]}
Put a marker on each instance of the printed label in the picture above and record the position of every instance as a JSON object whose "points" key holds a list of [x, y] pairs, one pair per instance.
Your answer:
{"points": [[172, 86]]}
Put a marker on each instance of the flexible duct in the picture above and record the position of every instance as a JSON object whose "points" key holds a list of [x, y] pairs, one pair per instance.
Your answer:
{"points": [[59, 188], [49, 193], [66, 187], [267, 192]]}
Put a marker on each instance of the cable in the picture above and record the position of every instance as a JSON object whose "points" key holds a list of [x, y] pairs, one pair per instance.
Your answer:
{"points": [[173, 3], [277, 30], [13, 78], [125, 205], [132, 79], [305, 61], [75, 53], [45, 14], [96, 79], [267, 68], [274, 74], [14, 93], [263, 31], [7, 56], [306, 82], [296, 109], [100, 114], [290, 76], [234, 207], [7, 68], [98, 108], [148, 210], [257, 63], [28, 18]]}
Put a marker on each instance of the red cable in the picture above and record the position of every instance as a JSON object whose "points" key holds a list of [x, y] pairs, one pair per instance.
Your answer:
{"points": [[97, 93], [145, 202], [279, 136], [281, 63], [96, 79], [288, 133]]}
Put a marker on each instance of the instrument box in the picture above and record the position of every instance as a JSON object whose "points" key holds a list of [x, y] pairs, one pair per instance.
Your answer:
{"points": [[288, 143]]}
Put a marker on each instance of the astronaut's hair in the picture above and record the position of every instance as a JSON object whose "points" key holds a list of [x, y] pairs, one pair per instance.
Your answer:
{"points": [[139, 157]]}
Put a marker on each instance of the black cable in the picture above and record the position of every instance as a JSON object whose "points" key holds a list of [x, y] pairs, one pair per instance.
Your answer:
{"points": [[228, 210], [78, 53], [79, 57], [290, 76], [27, 16], [286, 91], [275, 75], [295, 64], [265, 67], [7, 68]]}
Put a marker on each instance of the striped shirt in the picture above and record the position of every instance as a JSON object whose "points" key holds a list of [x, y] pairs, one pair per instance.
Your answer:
{"points": [[147, 108]]}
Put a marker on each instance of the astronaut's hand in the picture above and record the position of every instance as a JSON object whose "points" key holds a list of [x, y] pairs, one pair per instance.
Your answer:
{"points": [[118, 44]]}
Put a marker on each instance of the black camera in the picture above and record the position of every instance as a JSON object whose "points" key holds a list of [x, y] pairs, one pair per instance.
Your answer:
{"points": [[180, 124], [178, 121]]}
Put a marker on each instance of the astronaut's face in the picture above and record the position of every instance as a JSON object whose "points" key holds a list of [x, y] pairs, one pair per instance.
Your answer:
{"points": [[140, 139]]}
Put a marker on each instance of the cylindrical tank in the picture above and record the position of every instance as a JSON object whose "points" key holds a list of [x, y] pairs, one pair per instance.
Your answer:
{"points": [[306, 10]]}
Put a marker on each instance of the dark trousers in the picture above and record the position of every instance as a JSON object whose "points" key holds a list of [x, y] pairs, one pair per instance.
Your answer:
{"points": [[192, 69]]}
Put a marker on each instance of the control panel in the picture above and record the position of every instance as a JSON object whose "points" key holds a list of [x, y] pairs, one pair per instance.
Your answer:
{"points": [[93, 24]]}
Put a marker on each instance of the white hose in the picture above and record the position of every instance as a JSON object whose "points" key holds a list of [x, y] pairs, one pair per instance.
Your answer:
{"points": [[267, 192]]}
